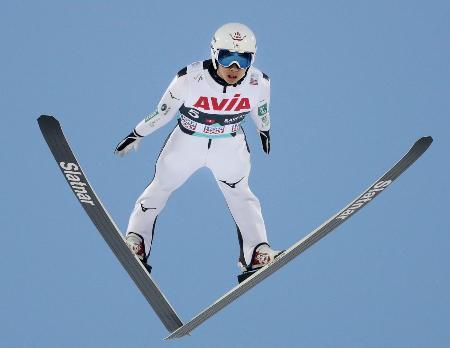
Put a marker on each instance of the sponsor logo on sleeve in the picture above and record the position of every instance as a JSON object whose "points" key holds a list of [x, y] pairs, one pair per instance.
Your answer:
{"points": [[262, 110], [153, 114], [165, 109]]}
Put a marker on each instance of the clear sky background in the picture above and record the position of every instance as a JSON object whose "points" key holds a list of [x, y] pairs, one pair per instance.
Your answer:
{"points": [[354, 84]]}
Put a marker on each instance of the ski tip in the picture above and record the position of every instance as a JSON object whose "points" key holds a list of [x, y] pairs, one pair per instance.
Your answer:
{"points": [[171, 336], [46, 118], [426, 141], [175, 335]]}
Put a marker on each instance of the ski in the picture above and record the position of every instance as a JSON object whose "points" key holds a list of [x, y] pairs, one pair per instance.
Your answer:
{"points": [[79, 184], [349, 210]]}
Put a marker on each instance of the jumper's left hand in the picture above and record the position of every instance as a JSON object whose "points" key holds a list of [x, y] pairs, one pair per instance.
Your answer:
{"points": [[265, 140]]}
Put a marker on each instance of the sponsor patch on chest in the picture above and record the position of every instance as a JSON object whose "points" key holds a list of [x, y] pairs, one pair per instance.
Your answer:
{"points": [[214, 130], [237, 103], [188, 124]]}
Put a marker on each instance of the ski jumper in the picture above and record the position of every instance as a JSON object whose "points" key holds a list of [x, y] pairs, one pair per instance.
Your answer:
{"points": [[209, 135]]}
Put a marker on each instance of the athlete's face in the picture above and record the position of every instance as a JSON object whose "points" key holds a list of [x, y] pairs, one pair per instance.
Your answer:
{"points": [[232, 74]]}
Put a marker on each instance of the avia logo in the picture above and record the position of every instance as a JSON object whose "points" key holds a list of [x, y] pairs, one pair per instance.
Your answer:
{"points": [[237, 36], [234, 104], [364, 199]]}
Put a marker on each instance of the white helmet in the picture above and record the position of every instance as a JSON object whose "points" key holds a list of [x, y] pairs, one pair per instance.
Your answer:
{"points": [[235, 37]]}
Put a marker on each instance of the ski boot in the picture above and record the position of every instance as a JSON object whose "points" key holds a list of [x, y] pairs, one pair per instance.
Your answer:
{"points": [[262, 256], [135, 243]]}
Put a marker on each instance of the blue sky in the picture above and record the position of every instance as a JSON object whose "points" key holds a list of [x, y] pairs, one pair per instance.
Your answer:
{"points": [[354, 84]]}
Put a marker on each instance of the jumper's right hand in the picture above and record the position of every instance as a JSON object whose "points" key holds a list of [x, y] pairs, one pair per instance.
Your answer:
{"points": [[130, 142]]}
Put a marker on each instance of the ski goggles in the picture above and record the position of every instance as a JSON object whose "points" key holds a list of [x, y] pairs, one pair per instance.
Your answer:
{"points": [[227, 58]]}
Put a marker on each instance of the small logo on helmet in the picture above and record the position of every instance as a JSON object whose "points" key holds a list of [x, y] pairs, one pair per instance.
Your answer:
{"points": [[237, 36]]}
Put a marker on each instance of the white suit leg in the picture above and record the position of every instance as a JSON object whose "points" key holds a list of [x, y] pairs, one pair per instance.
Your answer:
{"points": [[181, 156], [229, 160]]}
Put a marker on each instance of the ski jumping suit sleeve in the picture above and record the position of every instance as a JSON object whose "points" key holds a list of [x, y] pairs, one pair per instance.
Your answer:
{"points": [[208, 135], [167, 107], [260, 114]]}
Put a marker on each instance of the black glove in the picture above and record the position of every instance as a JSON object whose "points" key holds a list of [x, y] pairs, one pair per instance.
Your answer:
{"points": [[131, 141], [265, 140]]}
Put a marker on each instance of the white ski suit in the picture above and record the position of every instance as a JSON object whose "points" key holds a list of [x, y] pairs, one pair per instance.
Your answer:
{"points": [[209, 135]]}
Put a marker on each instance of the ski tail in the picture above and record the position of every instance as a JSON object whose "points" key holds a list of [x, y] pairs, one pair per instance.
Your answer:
{"points": [[343, 215], [80, 186]]}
